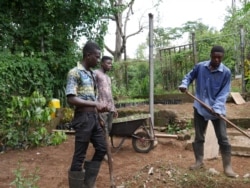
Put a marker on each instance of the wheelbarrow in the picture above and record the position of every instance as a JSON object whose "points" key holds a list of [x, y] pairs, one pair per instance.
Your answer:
{"points": [[138, 127]]}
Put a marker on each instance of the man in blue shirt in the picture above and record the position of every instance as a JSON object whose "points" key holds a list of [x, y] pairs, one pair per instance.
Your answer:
{"points": [[81, 93], [212, 86]]}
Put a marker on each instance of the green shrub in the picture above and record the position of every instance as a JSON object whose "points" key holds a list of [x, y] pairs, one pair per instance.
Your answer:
{"points": [[57, 137], [25, 180], [27, 122]]}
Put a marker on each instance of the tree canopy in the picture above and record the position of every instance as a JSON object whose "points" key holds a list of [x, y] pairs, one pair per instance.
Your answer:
{"points": [[50, 25]]}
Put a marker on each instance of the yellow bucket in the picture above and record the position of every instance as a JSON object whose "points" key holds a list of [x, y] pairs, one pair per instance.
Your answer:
{"points": [[54, 103]]}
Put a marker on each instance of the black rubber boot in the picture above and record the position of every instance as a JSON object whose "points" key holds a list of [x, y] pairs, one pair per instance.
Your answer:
{"points": [[198, 153], [76, 179], [91, 172], [226, 159]]}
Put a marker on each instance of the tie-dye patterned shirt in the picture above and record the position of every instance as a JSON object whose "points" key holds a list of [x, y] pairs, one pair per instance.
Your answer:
{"points": [[81, 83]]}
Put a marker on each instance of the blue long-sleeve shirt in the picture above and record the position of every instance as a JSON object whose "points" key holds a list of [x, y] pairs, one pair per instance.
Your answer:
{"points": [[211, 86]]}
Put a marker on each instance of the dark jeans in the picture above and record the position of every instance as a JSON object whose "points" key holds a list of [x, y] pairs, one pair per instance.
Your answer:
{"points": [[87, 129], [200, 125]]}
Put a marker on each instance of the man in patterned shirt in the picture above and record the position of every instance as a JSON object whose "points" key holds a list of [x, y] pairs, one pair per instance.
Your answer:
{"points": [[81, 92]]}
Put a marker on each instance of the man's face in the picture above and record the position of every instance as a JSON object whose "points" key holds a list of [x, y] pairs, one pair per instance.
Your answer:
{"points": [[94, 58], [216, 59], [107, 65]]}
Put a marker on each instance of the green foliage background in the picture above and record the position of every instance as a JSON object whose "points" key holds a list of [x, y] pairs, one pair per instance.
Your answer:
{"points": [[38, 45]]}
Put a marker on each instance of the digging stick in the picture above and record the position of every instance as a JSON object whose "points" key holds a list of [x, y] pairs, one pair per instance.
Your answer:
{"points": [[220, 116], [110, 163]]}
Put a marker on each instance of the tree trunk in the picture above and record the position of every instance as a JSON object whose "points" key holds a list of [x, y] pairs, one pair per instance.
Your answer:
{"points": [[118, 40]]}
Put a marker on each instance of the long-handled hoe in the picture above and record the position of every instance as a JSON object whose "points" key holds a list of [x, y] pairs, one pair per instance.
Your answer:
{"points": [[222, 117]]}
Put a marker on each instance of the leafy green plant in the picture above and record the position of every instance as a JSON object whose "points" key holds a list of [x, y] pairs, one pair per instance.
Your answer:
{"points": [[189, 125], [27, 122], [38, 136], [172, 128], [58, 137], [23, 179]]}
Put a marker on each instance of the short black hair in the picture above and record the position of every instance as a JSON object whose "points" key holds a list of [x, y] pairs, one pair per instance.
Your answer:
{"points": [[104, 58], [90, 47], [217, 49]]}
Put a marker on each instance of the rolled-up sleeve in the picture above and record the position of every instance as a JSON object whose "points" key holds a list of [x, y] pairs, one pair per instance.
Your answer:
{"points": [[72, 83]]}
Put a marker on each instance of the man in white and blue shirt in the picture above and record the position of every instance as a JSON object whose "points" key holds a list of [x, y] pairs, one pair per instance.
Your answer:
{"points": [[212, 86]]}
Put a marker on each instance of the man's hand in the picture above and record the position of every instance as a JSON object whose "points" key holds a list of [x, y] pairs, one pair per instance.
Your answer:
{"points": [[214, 113], [183, 89], [101, 107]]}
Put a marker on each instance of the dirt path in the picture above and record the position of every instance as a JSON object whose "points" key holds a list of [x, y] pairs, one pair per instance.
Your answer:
{"points": [[54, 161], [170, 161]]}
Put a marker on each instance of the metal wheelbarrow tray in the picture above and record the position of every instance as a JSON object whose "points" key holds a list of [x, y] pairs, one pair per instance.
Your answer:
{"points": [[138, 127]]}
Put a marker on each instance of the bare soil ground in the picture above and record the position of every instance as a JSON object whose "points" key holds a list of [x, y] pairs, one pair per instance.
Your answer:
{"points": [[169, 161]]}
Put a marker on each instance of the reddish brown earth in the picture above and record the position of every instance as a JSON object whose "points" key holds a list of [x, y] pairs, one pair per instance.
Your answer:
{"points": [[169, 161]]}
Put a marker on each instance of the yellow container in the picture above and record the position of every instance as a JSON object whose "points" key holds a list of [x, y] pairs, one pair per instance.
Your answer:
{"points": [[54, 103]]}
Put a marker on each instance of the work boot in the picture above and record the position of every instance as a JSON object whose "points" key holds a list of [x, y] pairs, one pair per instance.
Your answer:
{"points": [[226, 159], [91, 172], [76, 179], [198, 153]]}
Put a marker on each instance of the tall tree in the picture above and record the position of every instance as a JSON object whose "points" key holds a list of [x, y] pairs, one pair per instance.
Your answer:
{"points": [[120, 34], [122, 15]]}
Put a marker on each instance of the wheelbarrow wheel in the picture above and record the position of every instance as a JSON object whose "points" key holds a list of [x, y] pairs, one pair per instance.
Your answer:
{"points": [[141, 142]]}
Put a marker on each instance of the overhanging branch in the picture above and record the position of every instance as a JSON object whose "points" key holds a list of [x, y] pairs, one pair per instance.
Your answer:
{"points": [[109, 50]]}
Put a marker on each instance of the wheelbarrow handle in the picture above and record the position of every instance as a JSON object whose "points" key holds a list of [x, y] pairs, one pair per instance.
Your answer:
{"points": [[220, 116]]}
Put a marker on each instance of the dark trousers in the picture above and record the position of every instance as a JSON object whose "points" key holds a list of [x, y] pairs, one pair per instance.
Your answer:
{"points": [[200, 125], [87, 129]]}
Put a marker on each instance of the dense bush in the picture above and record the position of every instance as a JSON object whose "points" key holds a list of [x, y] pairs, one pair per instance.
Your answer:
{"points": [[21, 76], [27, 122]]}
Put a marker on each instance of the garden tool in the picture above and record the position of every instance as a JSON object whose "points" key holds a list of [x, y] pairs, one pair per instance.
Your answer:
{"points": [[110, 162], [220, 116]]}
